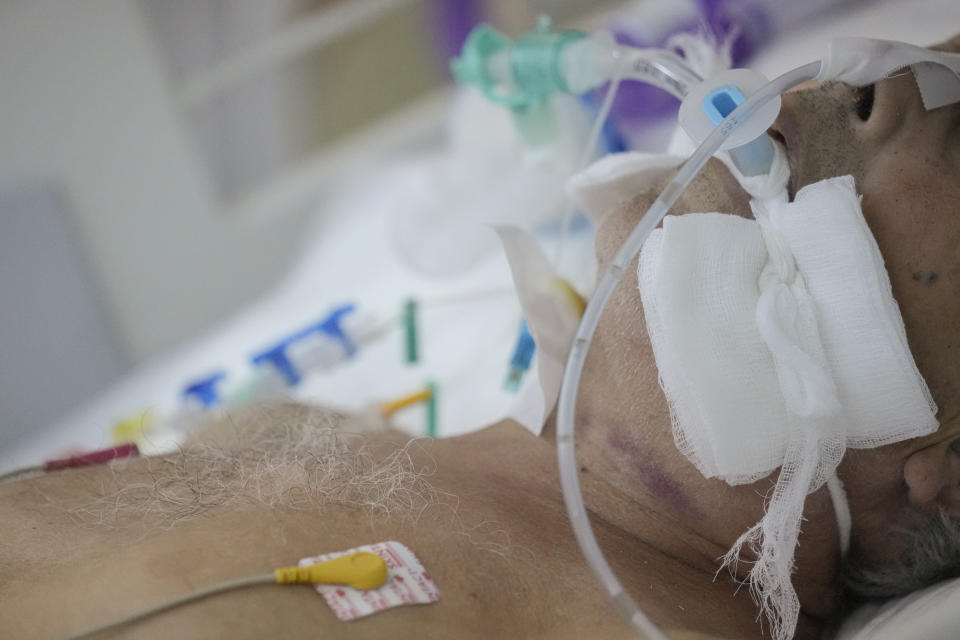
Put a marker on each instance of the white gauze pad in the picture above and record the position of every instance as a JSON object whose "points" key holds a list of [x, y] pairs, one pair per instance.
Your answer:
{"points": [[700, 283], [779, 344]]}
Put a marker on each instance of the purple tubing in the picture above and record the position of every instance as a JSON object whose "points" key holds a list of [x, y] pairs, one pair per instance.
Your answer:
{"points": [[452, 21]]}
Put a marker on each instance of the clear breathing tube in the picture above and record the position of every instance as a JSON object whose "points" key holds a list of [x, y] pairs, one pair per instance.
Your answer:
{"points": [[662, 69], [671, 75], [657, 67]]}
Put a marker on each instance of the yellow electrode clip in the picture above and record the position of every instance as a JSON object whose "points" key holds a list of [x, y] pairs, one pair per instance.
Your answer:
{"points": [[360, 570]]}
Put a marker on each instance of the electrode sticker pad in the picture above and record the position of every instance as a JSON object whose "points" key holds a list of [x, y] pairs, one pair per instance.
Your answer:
{"points": [[407, 583]]}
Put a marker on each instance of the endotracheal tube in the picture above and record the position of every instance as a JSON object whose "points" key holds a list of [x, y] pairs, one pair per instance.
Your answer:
{"points": [[731, 111]]}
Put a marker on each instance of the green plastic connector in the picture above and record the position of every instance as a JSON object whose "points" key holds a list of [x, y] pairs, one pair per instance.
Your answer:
{"points": [[409, 321], [534, 64], [471, 67], [431, 426], [536, 59]]}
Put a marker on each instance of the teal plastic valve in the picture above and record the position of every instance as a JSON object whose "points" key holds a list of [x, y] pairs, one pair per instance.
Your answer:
{"points": [[534, 65]]}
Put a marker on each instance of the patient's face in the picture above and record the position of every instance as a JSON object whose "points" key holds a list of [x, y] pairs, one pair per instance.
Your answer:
{"points": [[906, 162]]}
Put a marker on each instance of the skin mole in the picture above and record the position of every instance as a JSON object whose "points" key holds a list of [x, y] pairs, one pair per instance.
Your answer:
{"points": [[925, 276]]}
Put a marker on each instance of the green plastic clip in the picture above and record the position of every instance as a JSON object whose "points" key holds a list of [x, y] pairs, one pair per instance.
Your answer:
{"points": [[432, 410], [534, 65], [409, 319]]}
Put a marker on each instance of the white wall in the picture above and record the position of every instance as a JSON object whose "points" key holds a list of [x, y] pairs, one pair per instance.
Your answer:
{"points": [[50, 361], [85, 108], [239, 132]]}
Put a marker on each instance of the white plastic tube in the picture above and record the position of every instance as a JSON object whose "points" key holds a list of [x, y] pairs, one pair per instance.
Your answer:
{"points": [[566, 409], [662, 69], [606, 61], [589, 63]]}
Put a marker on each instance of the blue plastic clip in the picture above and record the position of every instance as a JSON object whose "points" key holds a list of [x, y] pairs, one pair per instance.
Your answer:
{"points": [[522, 357], [721, 102], [330, 326], [277, 357], [205, 390]]}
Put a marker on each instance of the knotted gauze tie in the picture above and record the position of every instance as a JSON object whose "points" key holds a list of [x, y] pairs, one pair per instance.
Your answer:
{"points": [[779, 344]]}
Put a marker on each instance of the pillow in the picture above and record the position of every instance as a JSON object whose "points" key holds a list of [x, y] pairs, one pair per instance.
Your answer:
{"points": [[930, 614]]}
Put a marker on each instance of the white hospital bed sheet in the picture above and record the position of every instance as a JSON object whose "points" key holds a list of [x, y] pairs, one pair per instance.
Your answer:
{"points": [[930, 614], [464, 347]]}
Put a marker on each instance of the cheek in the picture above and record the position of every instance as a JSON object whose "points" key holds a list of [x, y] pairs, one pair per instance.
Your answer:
{"points": [[873, 479], [911, 212], [895, 205], [609, 236], [621, 348], [713, 189]]}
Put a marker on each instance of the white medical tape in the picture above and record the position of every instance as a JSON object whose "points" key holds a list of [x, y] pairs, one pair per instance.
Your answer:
{"points": [[861, 61], [616, 179]]}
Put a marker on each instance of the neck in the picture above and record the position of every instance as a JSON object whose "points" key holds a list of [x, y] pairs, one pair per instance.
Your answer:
{"points": [[660, 563], [635, 478], [627, 485]]}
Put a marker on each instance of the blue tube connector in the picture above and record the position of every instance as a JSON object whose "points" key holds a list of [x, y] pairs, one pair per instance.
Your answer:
{"points": [[522, 357], [753, 158], [331, 326]]}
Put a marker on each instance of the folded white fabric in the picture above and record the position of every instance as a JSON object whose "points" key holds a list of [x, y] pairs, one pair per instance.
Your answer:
{"points": [[778, 344], [552, 310], [616, 179]]}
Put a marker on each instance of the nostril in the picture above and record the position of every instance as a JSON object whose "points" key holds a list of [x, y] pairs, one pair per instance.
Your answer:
{"points": [[863, 104]]}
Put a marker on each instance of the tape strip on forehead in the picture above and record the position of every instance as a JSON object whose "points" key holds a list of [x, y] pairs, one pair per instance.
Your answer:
{"points": [[862, 61]]}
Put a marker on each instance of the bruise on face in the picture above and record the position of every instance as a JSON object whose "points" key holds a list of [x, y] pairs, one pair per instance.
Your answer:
{"points": [[644, 468]]}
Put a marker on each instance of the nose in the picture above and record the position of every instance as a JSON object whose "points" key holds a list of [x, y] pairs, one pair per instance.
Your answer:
{"points": [[796, 101], [933, 479]]}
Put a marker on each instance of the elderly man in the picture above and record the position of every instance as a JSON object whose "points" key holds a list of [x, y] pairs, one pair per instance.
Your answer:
{"points": [[484, 512]]}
